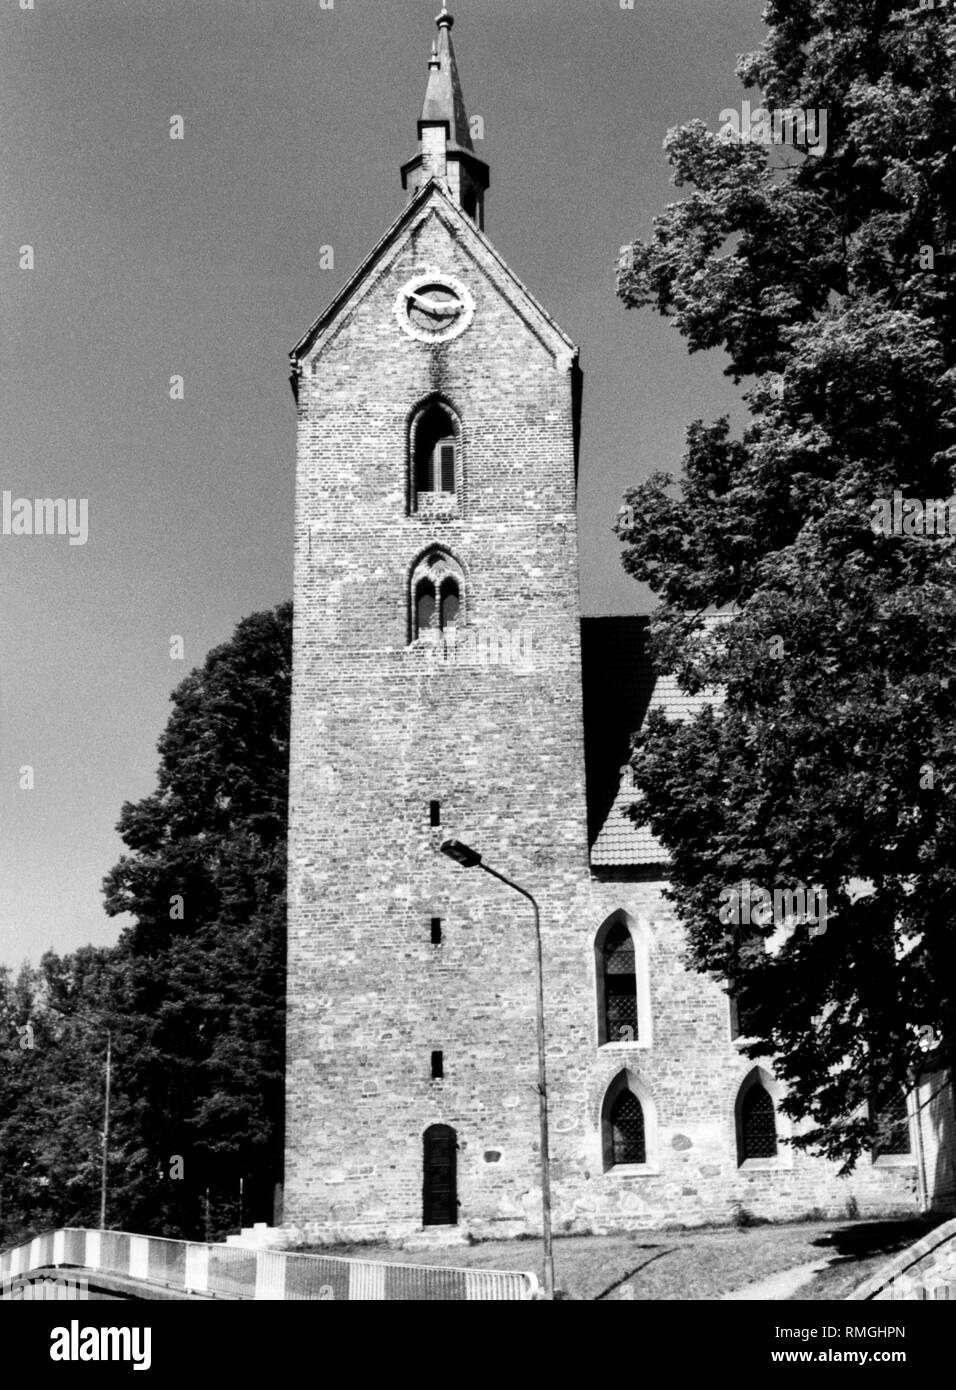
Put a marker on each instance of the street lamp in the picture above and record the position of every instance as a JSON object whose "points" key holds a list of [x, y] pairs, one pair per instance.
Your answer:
{"points": [[469, 858]]}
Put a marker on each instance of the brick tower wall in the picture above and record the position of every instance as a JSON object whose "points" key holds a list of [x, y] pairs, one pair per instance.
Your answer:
{"points": [[380, 731]]}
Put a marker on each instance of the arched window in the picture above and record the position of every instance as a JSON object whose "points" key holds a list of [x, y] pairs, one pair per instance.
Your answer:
{"points": [[627, 1130], [437, 594], [628, 1123], [434, 453], [620, 985], [756, 1118], [621, 975], [758, 1125], [893, 1139]]}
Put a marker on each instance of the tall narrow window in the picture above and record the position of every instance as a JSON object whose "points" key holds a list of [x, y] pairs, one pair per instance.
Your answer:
{"points": [[435, 452], [758, 1125], [893, 1141], [620, 986], [741, 1019]]}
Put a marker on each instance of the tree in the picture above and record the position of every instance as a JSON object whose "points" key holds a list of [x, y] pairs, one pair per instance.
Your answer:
{"points": [[828, 278], [53, 1022], [203, 965]]}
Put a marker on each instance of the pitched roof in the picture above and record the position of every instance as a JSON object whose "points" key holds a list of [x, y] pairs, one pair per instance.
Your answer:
{"points": [[620, 690]]}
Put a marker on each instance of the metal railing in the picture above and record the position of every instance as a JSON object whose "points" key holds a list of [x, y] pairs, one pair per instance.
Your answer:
{"points": [[236, 1272]]}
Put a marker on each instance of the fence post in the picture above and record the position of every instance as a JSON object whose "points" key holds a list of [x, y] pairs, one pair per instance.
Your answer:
{"points": [[197, 1268]]}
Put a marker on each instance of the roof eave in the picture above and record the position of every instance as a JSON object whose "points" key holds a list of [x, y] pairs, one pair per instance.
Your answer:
{"points": [[305, 342]]}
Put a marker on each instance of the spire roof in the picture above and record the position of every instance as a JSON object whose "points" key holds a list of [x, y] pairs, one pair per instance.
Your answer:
{"points": [[444, 101]]}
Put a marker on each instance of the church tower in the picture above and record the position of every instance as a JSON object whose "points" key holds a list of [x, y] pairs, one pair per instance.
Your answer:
{"points": [[436, 694]]}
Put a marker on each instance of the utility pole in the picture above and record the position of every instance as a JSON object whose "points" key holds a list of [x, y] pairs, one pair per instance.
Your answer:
{"points": [[106, 1129]]}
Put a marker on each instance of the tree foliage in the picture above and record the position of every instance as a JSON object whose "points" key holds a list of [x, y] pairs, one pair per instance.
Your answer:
{"points": [[192, 994], [828, 279]]}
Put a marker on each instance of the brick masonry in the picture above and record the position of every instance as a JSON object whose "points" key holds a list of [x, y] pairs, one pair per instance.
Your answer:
{"points": [[379, 731]]}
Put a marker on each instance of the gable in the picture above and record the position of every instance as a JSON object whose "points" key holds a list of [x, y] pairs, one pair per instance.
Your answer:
{"points": [[433, 218]]}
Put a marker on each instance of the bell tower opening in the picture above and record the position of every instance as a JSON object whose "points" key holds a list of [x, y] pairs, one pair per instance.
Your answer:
{"points": [[435, 452]]}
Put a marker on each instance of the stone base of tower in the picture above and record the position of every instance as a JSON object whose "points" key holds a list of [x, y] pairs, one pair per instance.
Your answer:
{"points": [[363, 1177], [579, 1212]]}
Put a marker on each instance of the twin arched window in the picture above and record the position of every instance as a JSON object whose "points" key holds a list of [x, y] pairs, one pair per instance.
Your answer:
{"points": [[438, 586], [436, 609]]}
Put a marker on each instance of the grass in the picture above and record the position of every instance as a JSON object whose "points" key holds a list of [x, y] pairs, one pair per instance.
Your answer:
{"points": [[681, 1265]]}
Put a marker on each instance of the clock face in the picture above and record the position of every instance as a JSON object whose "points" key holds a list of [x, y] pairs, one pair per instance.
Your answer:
{"points": [[434, 307]]}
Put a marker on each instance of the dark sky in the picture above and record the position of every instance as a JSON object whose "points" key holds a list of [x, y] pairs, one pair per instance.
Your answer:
{"points": [[200, 258]]}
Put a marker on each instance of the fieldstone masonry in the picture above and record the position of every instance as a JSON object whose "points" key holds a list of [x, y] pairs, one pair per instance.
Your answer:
{"points": [[381, 729]]}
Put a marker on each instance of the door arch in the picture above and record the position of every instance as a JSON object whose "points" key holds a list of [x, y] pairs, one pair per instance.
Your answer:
{"points": [[440, 1176]]}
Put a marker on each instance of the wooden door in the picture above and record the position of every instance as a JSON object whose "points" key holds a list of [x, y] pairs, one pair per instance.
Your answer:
{"points": [[440, 1186]]}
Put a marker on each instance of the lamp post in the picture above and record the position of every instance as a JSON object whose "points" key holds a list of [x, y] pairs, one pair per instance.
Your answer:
{"points": [[469, 858]]}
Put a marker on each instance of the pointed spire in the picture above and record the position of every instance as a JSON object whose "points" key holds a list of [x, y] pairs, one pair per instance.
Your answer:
{"points": [[443, 99], [446, 149]]}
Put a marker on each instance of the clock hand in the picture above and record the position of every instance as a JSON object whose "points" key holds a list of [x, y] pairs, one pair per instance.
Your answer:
{"points": [[436, 308]]}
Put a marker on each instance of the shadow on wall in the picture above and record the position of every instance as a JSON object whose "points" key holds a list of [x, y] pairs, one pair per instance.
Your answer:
{"points": [[617, 684]]}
